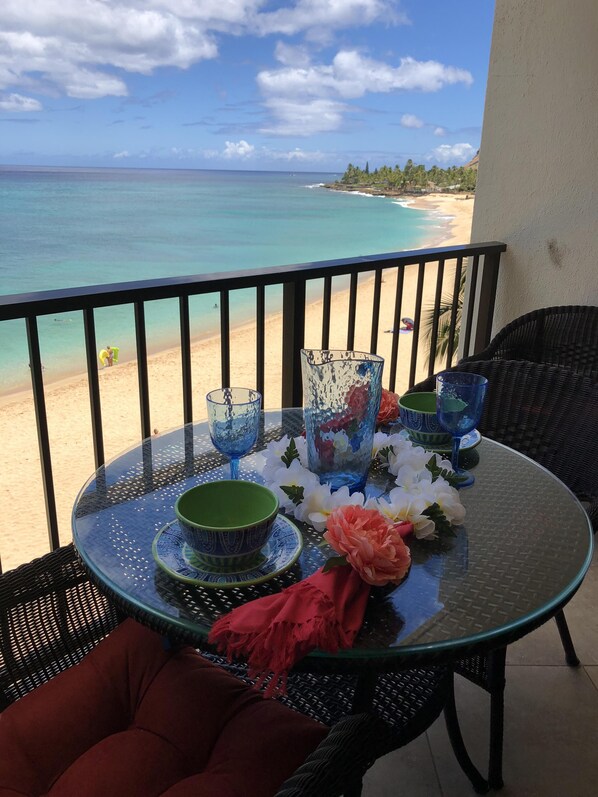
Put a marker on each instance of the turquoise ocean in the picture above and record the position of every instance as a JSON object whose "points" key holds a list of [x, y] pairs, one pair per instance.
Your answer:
{"points": [[67, 228]]}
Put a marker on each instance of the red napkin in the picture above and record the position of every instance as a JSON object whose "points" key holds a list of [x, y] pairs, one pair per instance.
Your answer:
{"points": [[323, 611]]}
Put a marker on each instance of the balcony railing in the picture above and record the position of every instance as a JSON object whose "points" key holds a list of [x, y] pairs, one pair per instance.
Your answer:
{"points": [[445, 267]]}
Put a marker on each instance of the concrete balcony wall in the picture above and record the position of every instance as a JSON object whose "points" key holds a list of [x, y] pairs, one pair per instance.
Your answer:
{"points": [[538, 175]]}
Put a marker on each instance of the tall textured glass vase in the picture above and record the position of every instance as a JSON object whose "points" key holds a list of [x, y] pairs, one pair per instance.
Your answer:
{"points": [[341, 399]]}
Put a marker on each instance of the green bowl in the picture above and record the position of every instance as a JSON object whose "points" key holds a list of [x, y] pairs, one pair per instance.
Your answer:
{"points": [[418, 415], [227, 523]]}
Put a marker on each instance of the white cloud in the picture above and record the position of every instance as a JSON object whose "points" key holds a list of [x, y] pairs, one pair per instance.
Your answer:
{"points": [[410, 120], [291, 55], [314, 15], [240, 149], [452, 153], [308, 99], [439, 131], [297, 154], [304, 117], [119, 155], [71, 47], [19, 104]]}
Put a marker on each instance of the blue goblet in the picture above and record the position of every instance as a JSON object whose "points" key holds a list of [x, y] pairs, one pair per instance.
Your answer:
{"points": [[459, 403], [233, 420]]}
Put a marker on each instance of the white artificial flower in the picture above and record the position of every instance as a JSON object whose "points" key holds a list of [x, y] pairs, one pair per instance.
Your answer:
{"points": [[382, 440], [448, 500], [410, 476], [301, 444], [316, 506], [405, 453], [272, 454], [318, 516], [399, 506], [293, 476], [415, 490]]}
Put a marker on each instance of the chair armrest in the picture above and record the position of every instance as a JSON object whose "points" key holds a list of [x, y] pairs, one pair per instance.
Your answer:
{"points": [[341, 759], [51, 615]]}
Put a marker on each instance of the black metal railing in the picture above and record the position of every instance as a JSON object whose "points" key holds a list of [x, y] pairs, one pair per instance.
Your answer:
{"points": [[480, 262]]}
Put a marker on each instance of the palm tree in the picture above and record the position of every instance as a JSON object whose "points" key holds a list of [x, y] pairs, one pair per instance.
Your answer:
{"points": [[443, 314]]}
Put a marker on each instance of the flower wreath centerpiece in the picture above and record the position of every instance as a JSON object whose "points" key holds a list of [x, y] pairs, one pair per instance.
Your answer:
{"points": [[325, 611], [368, 533]]}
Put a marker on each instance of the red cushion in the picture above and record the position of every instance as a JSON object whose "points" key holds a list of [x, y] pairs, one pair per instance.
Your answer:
{"points": [[135, 720]]}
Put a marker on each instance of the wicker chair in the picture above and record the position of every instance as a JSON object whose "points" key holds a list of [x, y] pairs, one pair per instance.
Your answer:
{"points": [[565, 336], [550, 414], [51, 615]]}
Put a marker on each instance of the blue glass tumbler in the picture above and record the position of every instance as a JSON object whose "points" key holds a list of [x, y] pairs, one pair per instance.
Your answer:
{"points": [[341, 399]]}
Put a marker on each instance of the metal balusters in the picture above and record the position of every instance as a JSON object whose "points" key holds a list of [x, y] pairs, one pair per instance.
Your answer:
{"points": [[436, 318], [376, 311], [225, 338], [454, 310], [95, 406], [419, 291], [186, 359], [260, 339], [326, 312], [30, 306], [293, 338], [488, 283], [473, 278], [43, 438], [394, 357], [352, 311], [142, 372]]}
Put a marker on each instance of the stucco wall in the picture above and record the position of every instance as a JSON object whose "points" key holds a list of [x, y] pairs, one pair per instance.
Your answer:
{"points": [[538, 175]]}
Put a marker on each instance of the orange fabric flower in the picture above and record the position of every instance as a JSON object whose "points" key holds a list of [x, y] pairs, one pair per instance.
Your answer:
{"points": [[357, 400], [371, 543], [389, 407]]}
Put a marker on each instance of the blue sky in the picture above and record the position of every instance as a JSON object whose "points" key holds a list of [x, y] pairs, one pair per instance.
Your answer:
{"points": [[309, 85]]}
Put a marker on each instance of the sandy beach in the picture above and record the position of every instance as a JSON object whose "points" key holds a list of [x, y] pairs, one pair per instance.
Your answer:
{"points": [[24, 534]]}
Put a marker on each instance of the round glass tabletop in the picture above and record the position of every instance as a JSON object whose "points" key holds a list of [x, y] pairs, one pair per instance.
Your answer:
{"points": [[522, 552]]}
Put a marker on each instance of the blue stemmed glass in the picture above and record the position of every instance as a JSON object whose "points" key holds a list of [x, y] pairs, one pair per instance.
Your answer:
{"points": [[459, 403], [233, 420]]}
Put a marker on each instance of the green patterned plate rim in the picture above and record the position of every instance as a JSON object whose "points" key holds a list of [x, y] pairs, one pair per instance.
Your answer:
{"points": [[175, 557], [469, 440]]}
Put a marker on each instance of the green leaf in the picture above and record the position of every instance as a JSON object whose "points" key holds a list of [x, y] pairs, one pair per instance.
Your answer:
{"points": [[435, 513], [290, 454], [334, 561], [384, 453], [449, 475], [294, 492]]}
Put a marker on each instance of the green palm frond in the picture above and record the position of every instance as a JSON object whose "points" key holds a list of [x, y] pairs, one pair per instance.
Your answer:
{"points": [[443, 314]]}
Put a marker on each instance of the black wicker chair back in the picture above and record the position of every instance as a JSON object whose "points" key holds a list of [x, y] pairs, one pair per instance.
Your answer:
{"points": [[549, 413], [566, 336], [51, 615]]}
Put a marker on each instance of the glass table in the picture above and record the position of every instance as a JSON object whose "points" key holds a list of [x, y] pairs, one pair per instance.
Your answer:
{"points": [[521, 554]]}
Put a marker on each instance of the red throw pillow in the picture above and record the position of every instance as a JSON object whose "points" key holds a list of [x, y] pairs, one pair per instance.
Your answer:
{"points": [[134, 719]]}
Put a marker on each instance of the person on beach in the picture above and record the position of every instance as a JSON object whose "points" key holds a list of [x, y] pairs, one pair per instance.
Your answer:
{"points": [[110, 359]]}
